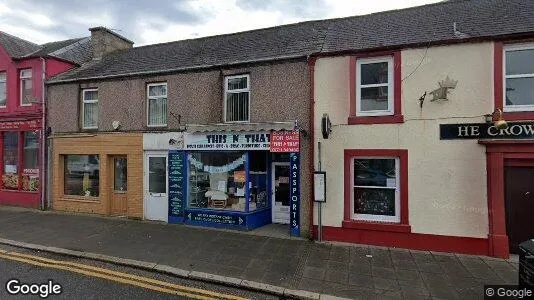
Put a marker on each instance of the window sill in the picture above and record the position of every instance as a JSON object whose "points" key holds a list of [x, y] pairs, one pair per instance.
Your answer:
{"points": [[80, 199], [19, 191], [518, 115], [377, 226], [353, 120]]}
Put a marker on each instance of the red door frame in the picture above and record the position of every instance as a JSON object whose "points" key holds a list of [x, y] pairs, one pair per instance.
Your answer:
{"points": [[498, 154]]}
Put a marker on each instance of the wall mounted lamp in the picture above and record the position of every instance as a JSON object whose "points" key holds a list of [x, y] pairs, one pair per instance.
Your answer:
{"points": [[500, 122]]}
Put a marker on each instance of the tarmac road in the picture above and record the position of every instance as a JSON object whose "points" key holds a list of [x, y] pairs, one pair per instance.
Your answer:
{"points": [[85, 279]]}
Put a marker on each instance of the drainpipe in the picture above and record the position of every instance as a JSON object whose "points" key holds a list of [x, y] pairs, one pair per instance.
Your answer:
{"points": [[42, 175]]}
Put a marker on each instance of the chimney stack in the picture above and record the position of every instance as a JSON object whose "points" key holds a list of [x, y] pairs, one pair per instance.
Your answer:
{"points": [[105, 41]]}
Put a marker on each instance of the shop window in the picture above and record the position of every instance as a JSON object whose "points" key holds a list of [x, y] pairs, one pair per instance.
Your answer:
{"points": [[120, 182], [90, 108], [26, 87], [237, 98], [30, 159], [81, 175], [217, 180], [3, 89], [157, 104], [374, 86], [10, 178], [519, 77]]}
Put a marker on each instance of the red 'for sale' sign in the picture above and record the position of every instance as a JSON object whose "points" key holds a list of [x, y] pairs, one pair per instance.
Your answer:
{"points": [[285, 141]]}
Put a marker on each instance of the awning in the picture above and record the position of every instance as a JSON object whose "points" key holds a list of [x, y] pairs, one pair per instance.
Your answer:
{"points": [[235, 127]]}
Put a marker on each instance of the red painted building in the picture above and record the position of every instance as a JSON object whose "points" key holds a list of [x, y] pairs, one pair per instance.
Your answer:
{"points": [[24, 67]]}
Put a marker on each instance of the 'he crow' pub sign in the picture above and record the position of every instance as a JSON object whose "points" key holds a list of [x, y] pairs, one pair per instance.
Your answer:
{"points": [[515, 130]]}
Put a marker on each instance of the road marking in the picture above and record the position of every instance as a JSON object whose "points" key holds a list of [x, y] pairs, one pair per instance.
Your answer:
{"points": [[120, 277]]}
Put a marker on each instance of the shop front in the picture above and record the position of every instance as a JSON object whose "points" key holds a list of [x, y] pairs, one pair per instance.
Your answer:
{"points": [[238, 180], [19, 153]]}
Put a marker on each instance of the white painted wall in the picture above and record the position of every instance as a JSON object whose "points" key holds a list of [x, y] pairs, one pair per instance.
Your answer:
{"points": [[160, 141], [447, 179]]}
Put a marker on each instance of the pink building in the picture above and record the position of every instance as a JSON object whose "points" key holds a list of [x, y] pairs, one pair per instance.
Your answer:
{"points": [[24, 68]]}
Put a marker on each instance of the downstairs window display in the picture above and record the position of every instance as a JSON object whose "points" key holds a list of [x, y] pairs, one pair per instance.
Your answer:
{"points": [[30, 173], [217, 180], [81, 175], [376, 189], [10, 178]]}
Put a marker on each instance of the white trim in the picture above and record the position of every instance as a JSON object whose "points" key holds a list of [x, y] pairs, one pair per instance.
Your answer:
{"points": [[5, 88], [83, 107], [148, 98], [390, 111], [247, 89], [376, 218], [507, 48], [21, 78], [146, 188]]}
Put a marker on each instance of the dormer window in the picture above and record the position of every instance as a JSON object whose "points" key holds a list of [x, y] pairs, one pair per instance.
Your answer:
{"points": [[26, 87], [237, 98]]}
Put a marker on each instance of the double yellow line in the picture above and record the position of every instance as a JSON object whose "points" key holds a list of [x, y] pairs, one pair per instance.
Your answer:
{"points": [[124, 278]]}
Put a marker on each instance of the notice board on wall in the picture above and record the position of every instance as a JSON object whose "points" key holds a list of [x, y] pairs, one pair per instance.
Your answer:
{"points": [[177, 185]]}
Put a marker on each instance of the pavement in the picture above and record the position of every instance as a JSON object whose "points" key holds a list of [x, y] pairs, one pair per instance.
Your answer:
{"points": [[288, 267]]}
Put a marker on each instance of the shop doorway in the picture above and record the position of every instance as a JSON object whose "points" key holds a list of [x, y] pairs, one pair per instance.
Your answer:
{"points": [[519, 202], [156, 204], [280, 192], [119, 187]]}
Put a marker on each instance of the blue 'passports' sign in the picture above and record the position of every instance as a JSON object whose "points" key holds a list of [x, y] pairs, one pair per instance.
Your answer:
{"points": [[294, 186]]}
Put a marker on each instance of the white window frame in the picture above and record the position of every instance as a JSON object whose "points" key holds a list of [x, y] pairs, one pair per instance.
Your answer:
{"points": [[21, 79], [377, 218], [148, 98], [510, 48], [226, 91], [5, 89], [362, 61], [83, 107]]}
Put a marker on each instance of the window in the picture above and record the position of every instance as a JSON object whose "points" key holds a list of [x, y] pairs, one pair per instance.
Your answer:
{"points": [[10, 178], [519, 78], [3, 89], [376, 189], [81, 175], [25, 87], [217, 180], [90, 108], [157, 104], [374, 86], [237, 98], [120, 182], [30, 160]]}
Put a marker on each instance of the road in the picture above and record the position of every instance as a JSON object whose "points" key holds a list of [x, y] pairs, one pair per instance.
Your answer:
{"points": [[86, 279]]}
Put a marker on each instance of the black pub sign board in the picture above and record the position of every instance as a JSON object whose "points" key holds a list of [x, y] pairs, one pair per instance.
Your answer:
{"points": [[515, 130]]}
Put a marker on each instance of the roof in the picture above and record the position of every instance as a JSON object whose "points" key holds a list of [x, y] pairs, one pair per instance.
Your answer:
{"points": [[74, 50], [458, 20]]}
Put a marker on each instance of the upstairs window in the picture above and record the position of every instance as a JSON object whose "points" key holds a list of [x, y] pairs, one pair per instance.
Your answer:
{"points": [[3, 89], [237, 98], [374, 86], [26, 87], [90, 108], [157, 104], [519, 78]]}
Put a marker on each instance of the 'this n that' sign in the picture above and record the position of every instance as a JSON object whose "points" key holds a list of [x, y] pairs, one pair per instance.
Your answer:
{"points": [[515, 130]]}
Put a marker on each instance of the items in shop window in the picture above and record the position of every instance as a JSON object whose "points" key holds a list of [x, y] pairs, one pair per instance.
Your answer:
{"points": [[30, 183], [10, 181]]}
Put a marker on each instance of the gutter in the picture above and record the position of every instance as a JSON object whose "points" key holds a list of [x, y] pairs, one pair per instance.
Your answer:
{"points": [[173, 70], [42, 179]]}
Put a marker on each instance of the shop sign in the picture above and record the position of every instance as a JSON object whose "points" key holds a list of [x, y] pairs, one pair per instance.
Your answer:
{"points": [[294, 193], [515, 130], [210, 217], [285, 141], [228, 141], [21, 125], [177, 181]]}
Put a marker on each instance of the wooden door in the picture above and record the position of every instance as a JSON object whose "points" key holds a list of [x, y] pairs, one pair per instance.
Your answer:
{"points": [[119, 185], [519, 199]]}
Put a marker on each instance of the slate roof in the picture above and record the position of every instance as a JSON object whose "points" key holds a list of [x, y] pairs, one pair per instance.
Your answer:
{"points": [[74, 50], [481, 19]]}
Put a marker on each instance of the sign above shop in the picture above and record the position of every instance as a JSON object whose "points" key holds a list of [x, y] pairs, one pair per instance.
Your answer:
{"points": [[21, 125], [515, 130], [284, 141]]}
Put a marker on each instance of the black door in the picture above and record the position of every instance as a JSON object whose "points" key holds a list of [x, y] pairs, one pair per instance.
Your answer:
{"points": [[519, 199]]}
